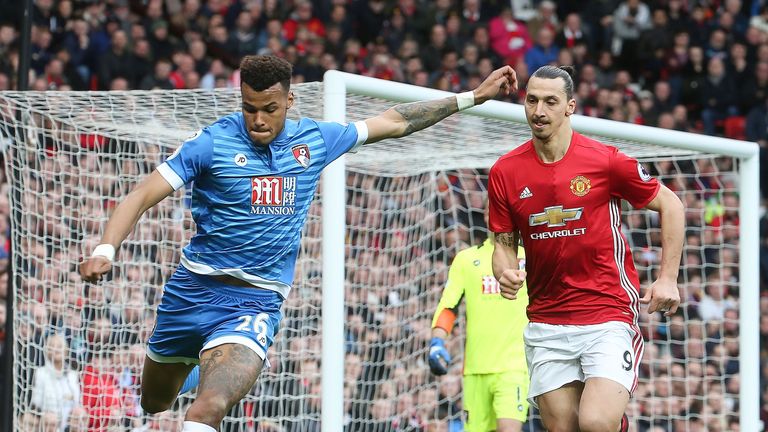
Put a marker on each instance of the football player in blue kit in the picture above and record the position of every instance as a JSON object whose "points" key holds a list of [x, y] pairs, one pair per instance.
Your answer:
{"points": [[255, 174]]}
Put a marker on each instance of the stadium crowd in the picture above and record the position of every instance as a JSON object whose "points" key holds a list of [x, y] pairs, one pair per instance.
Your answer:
{"points": [[698, 66]]}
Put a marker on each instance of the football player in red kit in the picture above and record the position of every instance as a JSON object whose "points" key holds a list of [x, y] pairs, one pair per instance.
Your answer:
{"points": [[583, 345]]}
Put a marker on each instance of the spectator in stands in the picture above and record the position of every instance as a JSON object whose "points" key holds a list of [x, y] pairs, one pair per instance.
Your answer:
{"points": [[630, 19], [370, 16], [301, 18], [432, 53], [160, 40], [117, 62], [573, 33], [41, 49], [56, 305], [509, 37], [754, 88], [663, 98], [140, 63], [545, 17], [161, 77], [7, 36], [54, 74], [605, 73], [81, 49], [69, 73], [544, 51], [757, 124], [715, 301], [449, 72], [717, 45], [652, 46], [56, 388], [243, 38], [101, 396], [718, 94]]}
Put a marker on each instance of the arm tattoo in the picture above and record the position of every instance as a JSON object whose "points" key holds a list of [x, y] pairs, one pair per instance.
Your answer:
{"points": [[506, 239], [420, 115]]}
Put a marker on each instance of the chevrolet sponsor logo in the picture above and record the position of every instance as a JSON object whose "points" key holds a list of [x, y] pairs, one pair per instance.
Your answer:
{"points": [[555, 216], [560, 233]]}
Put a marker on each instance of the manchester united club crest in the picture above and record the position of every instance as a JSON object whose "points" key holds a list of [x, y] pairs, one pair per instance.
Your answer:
{"points": [[580, 186], [301, 154]]}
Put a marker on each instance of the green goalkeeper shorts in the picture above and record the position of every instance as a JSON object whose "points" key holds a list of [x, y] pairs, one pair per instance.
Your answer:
{"points": [[488, 397]]}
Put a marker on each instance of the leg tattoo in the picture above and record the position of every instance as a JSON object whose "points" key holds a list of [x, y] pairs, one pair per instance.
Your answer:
{"points": [[227, 373]]}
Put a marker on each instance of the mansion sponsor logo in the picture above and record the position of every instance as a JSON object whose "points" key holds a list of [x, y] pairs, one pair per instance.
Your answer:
{"points": [[273, 196]]}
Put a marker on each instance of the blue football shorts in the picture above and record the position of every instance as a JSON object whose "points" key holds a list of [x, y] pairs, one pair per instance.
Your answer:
{"points": [[197, 313]]}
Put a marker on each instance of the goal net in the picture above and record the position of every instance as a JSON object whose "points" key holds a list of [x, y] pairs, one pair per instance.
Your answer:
{"points": [[411, 205]]}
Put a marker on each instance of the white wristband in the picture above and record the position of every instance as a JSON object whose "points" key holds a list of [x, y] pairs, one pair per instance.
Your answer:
{"points": [[465, 100], [104, 250]]}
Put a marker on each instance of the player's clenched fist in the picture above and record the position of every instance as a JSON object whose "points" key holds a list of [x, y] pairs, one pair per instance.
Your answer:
{"points": [[93, 268], [511, 281], [503, 80]]}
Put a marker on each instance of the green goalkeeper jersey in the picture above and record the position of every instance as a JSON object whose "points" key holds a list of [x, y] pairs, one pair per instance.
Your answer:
{"points": [[494, 328]]}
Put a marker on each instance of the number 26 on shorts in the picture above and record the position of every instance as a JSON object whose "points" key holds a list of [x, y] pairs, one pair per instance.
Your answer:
{"points": [[260, 326]]}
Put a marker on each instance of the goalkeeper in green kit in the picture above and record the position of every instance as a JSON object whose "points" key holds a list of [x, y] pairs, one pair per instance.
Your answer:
{"points": [[495, 369]]}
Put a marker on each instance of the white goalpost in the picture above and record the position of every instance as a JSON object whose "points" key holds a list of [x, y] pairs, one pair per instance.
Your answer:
{"points": [[379, 239]]}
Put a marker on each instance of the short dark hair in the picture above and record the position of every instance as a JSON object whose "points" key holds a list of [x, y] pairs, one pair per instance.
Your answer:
{"points": [[261, 72], [554, 72]]}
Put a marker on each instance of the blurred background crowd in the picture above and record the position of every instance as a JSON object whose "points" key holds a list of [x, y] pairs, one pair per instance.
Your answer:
{"points": [[698, 66]]}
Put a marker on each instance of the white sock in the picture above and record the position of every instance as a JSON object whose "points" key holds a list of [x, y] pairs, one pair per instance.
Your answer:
{"points": [[190, 426]]}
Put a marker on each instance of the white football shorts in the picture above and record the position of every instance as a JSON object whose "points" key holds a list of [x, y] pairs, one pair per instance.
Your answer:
{"points": [[560, 354]]}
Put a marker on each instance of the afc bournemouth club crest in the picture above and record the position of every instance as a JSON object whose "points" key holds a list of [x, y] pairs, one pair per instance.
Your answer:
{"points": [[580, 186], [301, 154]]}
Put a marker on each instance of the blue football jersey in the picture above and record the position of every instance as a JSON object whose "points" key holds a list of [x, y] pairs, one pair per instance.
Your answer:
{"points": [[250, 202]]}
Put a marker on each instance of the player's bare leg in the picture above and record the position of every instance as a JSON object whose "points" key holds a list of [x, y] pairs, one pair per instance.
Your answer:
{"points": [[559, 408], [227, 373], [160, 384], [508, 425], [602, 405]]}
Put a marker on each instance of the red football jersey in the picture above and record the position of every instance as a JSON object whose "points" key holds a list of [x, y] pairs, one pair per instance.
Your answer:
{"points": [[568, 213]]}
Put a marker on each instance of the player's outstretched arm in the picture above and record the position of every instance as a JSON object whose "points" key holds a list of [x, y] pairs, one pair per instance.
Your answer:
{"points": [[149, 192], [405, 119], [663, 294], [506, 267]]}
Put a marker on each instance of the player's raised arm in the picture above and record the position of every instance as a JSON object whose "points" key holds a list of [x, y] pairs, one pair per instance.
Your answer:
{"points": [[663, 294], [153, 189], [405, 119]]}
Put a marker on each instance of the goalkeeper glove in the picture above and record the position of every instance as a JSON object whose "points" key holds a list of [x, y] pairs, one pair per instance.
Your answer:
{"points": [[438, 356]]}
